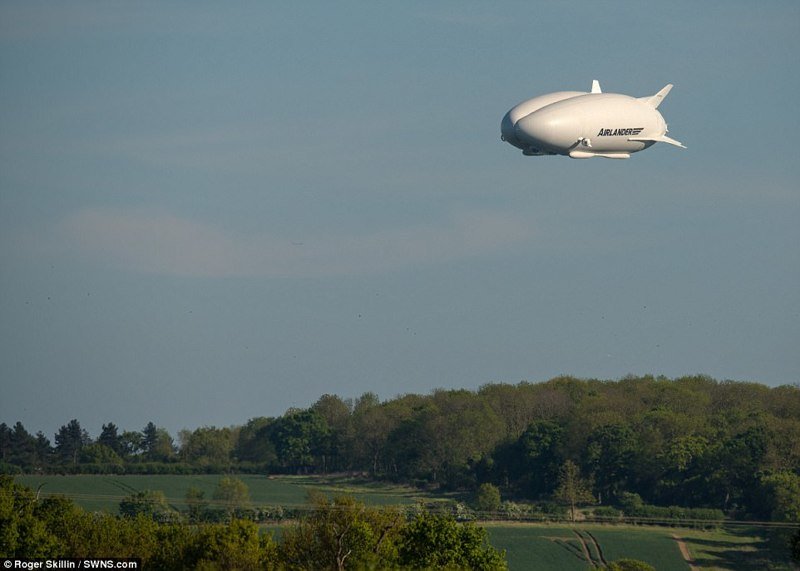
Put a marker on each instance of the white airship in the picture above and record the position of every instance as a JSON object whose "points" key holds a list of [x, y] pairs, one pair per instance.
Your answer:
{"points": [[583, 125]]}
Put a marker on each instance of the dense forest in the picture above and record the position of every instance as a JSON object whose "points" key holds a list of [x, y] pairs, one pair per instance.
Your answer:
{"points": [[693, 441]]}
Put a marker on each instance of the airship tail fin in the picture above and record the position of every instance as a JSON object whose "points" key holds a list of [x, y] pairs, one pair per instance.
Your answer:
{"points": [[655, 100], [665, 139], [661, 139], [596, 86]]}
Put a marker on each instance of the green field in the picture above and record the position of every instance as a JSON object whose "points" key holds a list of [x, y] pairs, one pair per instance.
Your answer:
{"points": [[534, 547], [746, 549], [103, 493], [540, 547]]}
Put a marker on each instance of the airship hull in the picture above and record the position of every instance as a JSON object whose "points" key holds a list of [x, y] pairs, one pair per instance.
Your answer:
{"points": [[586, 125]]}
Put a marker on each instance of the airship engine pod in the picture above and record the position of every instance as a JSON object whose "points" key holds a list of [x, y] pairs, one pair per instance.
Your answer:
{"points": [[583, 125]]}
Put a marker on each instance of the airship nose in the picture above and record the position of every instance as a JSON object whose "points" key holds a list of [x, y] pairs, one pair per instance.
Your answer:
{"points": [[507, 131], [548, 129]]}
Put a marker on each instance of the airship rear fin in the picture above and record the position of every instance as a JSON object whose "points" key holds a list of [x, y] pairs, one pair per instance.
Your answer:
{"points": [[661, 139], [655, 100], [596, 86], [665, 139]]}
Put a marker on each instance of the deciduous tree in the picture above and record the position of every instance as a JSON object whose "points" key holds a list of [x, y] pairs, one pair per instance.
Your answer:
{"points": [[237, 545], [22, 534], [781, 496], [231, 495], [253, 443], [342, 534], [439, 542], [572, 489], [338, 442], [299, 438], [208, 445]]}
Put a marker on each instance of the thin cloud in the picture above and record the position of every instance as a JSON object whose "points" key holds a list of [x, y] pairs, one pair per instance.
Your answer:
{"points": [[157, 242]]}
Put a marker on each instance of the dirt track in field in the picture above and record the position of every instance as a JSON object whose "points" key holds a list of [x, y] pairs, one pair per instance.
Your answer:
{"points": [[685, 552]]}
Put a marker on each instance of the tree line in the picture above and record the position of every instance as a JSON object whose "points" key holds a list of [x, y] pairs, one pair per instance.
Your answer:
{"points": [[693, 442]]}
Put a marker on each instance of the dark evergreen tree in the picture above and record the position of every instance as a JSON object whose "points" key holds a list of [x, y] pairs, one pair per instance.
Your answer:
{"points": [[43, 449], [70, 439], [150, 440], [110, 437], [23, 446]]}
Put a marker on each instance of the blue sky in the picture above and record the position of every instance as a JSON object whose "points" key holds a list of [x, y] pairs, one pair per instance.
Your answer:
{"points": [[210, 213]]}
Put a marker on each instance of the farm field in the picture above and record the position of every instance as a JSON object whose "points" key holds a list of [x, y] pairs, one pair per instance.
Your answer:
{"points": [[747, 549], [540, 547], [551, 547], [104, 492]]}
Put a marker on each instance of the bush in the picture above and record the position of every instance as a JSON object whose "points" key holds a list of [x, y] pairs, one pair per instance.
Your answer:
{"points": [[147, 503], [676, 514], [513, 510], [552, 510], [101, 469], [269, 513], [607, 513], [530, 512], [629, 502], [488, 498]]}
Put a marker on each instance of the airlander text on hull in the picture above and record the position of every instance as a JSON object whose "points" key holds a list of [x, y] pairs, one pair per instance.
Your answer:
{"points": [[583, 125]]}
